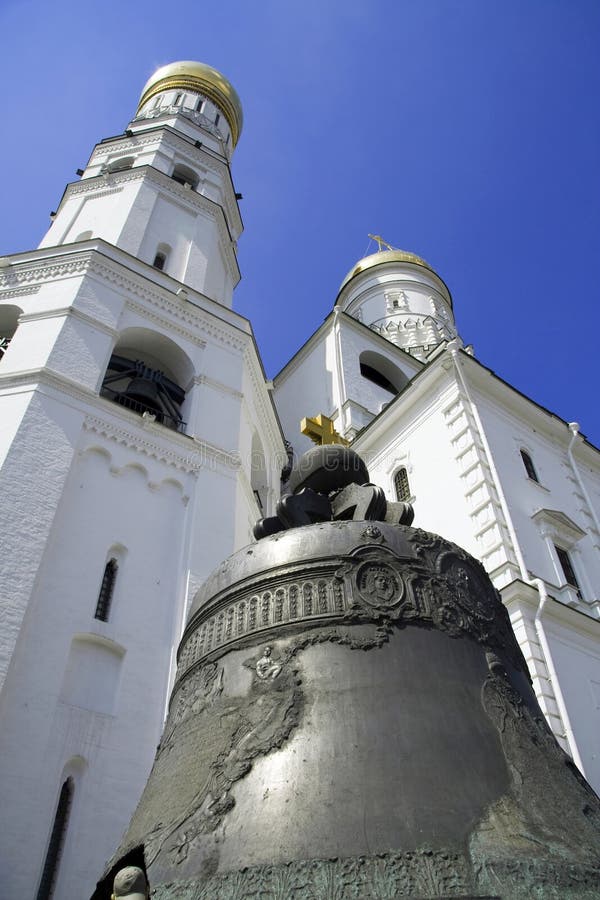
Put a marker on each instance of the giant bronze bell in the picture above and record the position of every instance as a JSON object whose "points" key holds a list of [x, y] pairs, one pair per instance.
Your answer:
{"points": [[353, 718]]}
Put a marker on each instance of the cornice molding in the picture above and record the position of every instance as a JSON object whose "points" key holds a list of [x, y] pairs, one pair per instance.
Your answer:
{"points": [[124, 143], [184, 311], [219, 386], [190, 463], [158, 136], [34, 271], [8, 293], [71, 312], [523, 599], [95, 262], [154, 317], [226, 458]]}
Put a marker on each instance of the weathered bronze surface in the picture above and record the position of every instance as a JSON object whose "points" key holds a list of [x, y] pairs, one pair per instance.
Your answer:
{"points": [[352, 718]]}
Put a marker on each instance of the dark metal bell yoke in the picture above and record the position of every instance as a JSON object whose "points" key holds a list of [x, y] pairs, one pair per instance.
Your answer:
{"points": [[352, 717]]}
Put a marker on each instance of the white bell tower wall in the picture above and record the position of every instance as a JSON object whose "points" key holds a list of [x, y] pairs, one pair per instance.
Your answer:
{"points": [[131, 396], [164, 186]]}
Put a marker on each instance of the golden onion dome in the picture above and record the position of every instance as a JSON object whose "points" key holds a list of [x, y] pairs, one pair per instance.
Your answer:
{"points": [[194, 76], [381, 257]]}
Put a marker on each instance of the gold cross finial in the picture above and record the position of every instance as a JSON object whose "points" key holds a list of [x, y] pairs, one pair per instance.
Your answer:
{"points": [[320, 430], [380, 242]]}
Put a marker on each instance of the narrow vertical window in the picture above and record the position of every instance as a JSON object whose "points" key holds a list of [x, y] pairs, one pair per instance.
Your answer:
{"points": [[529, 467], [160, 260], [217, 118], [401, 485], [567, 567], [57, 842], [199, 105], [106, 590], [178, 99]]}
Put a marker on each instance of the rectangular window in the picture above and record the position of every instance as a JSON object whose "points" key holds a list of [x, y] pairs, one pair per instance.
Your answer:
{"points": [[567, 567]]}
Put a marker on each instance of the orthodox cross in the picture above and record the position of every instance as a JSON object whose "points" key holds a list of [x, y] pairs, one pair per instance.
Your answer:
{"points": [[380, 242], [320, 430]]}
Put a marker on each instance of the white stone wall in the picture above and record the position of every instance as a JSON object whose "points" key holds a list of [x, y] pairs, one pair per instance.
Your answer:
{"points": [[325, 377], [85, 480]]}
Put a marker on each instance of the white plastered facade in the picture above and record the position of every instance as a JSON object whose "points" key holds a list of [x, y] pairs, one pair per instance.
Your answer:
{"points": [[86, 480]]}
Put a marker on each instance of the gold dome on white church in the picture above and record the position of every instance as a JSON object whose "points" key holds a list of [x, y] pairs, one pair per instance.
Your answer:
{"points": [[197, 76], [381, 258]]}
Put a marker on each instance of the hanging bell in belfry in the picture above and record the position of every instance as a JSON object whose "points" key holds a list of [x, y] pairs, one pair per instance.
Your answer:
{"points": [[143, 391], [353, 718]]}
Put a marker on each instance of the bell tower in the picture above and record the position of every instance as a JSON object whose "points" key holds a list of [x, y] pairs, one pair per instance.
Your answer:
{"points": [[162, 191], [139, 445]]}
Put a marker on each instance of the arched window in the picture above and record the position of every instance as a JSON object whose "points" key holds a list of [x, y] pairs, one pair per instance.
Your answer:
{"points": [[144, 375], [376, 377], [161, 256], [382, 372], [120, 165], [401, 485], [142, 389], [106, 590], [185, 176], [529, 467], [57, 841]]}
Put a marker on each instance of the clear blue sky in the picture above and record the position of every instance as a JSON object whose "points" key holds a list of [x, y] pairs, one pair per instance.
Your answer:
{"points": [[467, 131]]}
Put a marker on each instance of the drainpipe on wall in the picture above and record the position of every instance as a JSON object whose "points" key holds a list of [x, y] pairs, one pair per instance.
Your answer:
{"points": [[574, 429], [560, 700], [534, 582]]}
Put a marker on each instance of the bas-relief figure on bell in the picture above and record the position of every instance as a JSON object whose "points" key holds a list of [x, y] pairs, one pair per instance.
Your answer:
{"points": [[266, 667], [419, 766]]}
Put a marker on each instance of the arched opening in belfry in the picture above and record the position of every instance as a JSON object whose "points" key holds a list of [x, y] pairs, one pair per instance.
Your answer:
{"points": [[161, 256], [148, 374], [119, 165], [9, 320], [383, 372], [185, 176]]}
